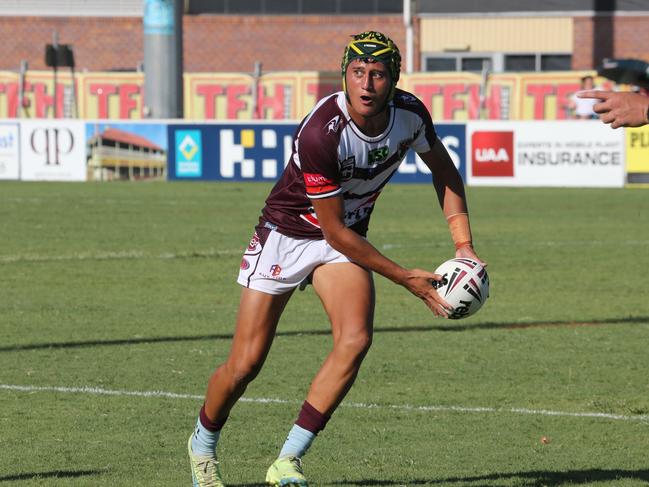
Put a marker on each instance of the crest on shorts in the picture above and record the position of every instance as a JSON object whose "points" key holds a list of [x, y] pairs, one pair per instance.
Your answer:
{"points": [[254, 242]]}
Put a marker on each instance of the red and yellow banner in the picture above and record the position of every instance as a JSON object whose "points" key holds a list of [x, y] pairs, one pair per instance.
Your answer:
{"points": [[286, 95]]}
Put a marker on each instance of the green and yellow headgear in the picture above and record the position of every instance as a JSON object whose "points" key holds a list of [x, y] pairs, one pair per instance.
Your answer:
{"points": [[373, 46]]}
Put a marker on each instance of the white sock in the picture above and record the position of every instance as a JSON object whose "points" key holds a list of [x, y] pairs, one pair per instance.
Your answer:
{"points": [[204, 441], [297, 443]]}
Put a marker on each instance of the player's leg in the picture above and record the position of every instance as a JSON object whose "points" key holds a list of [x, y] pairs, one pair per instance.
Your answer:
{"points": [[347, 293], [257, 320]]}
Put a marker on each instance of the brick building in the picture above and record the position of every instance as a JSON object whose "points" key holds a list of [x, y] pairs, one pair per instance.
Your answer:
{"points": [[230, 35]]}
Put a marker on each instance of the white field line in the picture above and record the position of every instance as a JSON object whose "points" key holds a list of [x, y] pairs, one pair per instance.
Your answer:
{"points": [[117, 255], [208, 253], [394, 407]]}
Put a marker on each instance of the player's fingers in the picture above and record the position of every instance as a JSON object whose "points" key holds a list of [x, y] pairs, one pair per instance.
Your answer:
{"points": [[437, 308], [600, 107], [436, 277], [427, 275], [440, 303], [602, 95], [607, 117]]}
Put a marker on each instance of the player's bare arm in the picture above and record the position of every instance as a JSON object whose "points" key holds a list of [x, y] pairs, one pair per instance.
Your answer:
{"points": [[450, 193], [330, 213], [620, 109]]}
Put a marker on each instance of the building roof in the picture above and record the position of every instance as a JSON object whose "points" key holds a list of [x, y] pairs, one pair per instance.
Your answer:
{"points": [[129, 138]]}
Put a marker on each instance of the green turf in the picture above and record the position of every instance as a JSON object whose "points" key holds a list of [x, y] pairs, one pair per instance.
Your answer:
{"points": [[131, 287]]}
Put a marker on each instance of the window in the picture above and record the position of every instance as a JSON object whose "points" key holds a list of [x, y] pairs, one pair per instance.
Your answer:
{"points": [[460, 61], [440, 64], [556, 62], [475, 63], [538, 62], [497, 62], [520, 62]]}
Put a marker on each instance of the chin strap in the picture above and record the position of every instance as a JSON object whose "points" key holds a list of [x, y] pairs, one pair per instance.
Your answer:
{"points": [[458, 224]]}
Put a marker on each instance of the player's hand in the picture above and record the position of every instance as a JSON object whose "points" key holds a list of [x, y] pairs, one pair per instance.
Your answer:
{"points": [[620, 109], [420, 283], [467, 252]]}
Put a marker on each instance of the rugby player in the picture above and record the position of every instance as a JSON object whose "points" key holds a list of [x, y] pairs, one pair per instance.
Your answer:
{"points": [[313, 229]]}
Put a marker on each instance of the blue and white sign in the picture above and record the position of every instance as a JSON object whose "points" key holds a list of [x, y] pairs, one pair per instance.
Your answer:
{"points": [[9, 151], [259, 152], [242, 152], [189, 154], [453, 136]]}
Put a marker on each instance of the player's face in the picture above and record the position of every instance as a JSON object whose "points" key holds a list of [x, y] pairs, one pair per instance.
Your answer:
{"points": [[368, 87]]}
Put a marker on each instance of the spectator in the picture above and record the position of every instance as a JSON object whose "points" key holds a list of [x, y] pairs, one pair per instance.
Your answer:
{"points": [[582, 108]]}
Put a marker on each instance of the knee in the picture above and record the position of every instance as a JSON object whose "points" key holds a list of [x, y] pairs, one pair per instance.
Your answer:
{"points": [[242, 371], [354, 345]]}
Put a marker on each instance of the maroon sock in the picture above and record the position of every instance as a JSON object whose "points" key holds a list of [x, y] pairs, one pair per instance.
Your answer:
{"points": [[311, 419], [210, 425]]}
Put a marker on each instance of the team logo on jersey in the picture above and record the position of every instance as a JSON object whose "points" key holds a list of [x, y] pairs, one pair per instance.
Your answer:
{"points": [[378, 155], [333, 125], [347, 168], [275, 270], [245, 265], [403, 147], [407, 98]]}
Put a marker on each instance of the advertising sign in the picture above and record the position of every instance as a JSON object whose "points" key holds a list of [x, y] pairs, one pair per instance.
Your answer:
{"points": [[259, 152], [121, 151], [111, 96], [569, 154], [242, 152], [53, 150], [453, 136], [637, 155], [9, 151], [189, 154]]}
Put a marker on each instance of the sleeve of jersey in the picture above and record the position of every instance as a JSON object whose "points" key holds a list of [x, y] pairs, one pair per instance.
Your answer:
{"points": [[426, 136], [319, 164]]}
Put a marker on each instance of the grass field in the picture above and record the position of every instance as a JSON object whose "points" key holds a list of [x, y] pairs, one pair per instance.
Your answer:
{"points": [[117, 301]]}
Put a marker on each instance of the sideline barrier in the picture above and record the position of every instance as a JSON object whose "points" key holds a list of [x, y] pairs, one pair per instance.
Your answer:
{"points": [[488, 153], [288, 95]]}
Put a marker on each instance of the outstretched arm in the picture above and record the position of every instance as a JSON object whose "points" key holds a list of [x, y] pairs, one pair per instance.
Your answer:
{"points": [[450, 193], [620, 109]]}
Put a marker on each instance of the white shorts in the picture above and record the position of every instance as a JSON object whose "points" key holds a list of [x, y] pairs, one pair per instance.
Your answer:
{"points": [[277, 264]]}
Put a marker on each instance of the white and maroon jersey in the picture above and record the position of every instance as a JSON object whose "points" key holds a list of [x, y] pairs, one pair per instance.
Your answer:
{"points": [[331, 156]]}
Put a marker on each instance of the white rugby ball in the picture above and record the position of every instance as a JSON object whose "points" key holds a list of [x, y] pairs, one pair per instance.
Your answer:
{"points": [[464, 285]]}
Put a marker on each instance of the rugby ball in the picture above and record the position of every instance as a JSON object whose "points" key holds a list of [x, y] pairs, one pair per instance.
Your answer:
{"points": [[464, 285]]}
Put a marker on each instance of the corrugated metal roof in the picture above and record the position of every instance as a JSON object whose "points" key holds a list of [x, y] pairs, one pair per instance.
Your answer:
{"points": [[72, 8]]}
